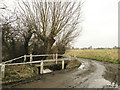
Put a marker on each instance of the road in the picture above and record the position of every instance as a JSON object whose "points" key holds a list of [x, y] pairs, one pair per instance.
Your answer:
{"points": [[88, 75]]}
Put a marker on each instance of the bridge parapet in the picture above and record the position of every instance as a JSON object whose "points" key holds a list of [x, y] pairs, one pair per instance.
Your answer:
{"points": [[55, 59]]}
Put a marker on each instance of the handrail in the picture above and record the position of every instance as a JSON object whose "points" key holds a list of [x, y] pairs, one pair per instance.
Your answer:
{"points": [[46, 55], [13, 59], [51, 60], [3, 64], [34, 56]]}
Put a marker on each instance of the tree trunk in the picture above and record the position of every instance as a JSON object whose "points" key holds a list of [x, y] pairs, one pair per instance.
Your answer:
{"points": [[48, 43], [26, 43]]}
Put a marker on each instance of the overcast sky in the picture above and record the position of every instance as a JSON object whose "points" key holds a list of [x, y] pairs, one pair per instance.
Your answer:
{"points": [[100, 25]]}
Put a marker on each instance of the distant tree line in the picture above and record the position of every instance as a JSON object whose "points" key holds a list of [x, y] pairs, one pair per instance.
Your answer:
{"points": [[90, 47]]}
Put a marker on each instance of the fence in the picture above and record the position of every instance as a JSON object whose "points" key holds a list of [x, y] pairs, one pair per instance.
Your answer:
{"points": [[55, 59]]}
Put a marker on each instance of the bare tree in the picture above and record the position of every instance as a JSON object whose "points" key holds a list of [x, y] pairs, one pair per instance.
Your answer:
{"points": [[51, 22]]}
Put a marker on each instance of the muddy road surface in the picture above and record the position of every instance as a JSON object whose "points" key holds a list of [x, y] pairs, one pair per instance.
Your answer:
{"points": [[91, 74]]}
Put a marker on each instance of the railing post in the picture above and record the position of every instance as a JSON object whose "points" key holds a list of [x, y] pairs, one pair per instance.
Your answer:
{"points": [[70, 57], [62, 63], [74, 56], [24, 58], [41, 67], [3, 70], [30, 57], [56, 57]]}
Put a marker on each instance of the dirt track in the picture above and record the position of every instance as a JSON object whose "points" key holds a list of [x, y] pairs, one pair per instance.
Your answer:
{"points": [[91, 74]]}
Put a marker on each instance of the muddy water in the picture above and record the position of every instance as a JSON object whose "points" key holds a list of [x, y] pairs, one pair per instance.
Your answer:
{"points": [[91, 74]]}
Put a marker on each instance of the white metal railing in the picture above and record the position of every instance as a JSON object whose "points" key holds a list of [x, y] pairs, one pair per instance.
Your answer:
{"points": [[13, 59], [39, 61], [33, 56], [55, 59]]}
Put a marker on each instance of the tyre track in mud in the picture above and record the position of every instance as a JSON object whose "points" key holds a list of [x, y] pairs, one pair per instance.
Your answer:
{"points": [[88, 76]]}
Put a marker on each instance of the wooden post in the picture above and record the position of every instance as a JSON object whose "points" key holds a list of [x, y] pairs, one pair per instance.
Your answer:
{"points": [[56, 57], [3, 70], [41, 68], [62, 63], [74, 56], [69, 57], [30, 57], [24, 58]]}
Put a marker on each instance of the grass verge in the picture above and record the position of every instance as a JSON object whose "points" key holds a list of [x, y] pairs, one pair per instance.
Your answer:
{"points": [[108, 55], [73, 64], [19, 73]]}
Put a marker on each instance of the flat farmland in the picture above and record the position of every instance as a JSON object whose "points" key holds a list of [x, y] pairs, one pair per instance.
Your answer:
{"points": [[109, 55]]}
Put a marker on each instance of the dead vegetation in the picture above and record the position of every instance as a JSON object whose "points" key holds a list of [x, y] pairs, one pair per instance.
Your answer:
{"points": [[14, 74]]}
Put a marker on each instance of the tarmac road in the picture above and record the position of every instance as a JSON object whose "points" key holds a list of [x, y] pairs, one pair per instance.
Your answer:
{"points": [[88, 75]]}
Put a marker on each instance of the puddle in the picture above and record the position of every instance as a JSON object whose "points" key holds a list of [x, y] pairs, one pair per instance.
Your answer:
{"points": [[102, 83], [82, 66]]}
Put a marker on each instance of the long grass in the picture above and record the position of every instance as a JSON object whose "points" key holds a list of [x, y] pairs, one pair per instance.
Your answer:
{"points": [[109, 55]]}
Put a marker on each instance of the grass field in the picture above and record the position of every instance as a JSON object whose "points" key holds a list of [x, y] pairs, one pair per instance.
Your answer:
{"points": [[109, 55]]}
